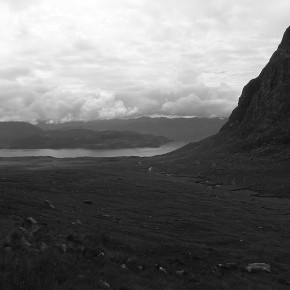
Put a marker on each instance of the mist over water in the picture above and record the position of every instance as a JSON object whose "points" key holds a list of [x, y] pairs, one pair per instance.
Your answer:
{"points": [[74, 153]]}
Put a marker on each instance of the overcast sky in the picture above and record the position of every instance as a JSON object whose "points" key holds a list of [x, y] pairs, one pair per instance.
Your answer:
{"points": [[88, 59]]}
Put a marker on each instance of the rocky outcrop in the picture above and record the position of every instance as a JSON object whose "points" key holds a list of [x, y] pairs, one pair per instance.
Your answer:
{"points": [[263, 112]]}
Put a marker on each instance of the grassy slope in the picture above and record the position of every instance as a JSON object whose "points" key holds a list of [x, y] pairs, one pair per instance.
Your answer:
{"points": [[179, 219]]}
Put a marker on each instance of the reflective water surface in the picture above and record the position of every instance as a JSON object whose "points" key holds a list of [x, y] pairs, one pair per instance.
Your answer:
{"points": [[73, 153]]}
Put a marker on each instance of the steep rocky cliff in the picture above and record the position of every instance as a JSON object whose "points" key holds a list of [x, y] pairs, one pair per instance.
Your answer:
{"points": [[263, 112]]}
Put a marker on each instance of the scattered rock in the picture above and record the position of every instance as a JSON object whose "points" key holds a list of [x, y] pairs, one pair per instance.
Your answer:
{"points": [[101, 254], [43, 247], [23, 230], [63, 247], [140, 268], [87, 201], [228, 266], [104, 284], [161, 269], [48, 204], [77, 222], [124, 267], [255, 267], [31, 220], [106, 215], [180, 273], [26, 244]]}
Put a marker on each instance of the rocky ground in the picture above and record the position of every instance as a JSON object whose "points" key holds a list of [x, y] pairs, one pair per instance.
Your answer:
{"points": [[144, 223]]}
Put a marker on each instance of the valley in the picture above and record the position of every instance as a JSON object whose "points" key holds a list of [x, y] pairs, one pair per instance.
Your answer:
{"points": [[121, 221]]}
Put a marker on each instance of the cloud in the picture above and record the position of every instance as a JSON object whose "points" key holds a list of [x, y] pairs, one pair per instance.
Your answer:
{"points": [[20, 4], [188, 100], [132, 57], [202, 101], [60, 104]]}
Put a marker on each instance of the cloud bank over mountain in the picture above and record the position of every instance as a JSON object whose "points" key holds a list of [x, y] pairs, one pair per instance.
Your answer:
{"points": [[90, 59]]}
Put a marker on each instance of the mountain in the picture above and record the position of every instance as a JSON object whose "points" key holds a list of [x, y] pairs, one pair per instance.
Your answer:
{"points": [[263, 113], [179, 129], [261, 121], [13, 131], [20, 135]]}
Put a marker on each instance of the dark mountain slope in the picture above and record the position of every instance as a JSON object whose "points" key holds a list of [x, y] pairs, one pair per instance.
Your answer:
{"points": [[261, 121], [252, 150], [263, 112]]}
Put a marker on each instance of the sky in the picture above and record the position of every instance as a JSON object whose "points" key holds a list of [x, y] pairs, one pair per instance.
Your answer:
{"points": [[102, 59]]}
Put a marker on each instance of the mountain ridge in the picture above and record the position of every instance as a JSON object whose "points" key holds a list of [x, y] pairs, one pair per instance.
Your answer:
{"points": [[178, 129], [21, 135]]}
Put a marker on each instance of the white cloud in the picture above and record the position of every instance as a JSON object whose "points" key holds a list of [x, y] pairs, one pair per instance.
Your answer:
{"points": [[148, 56], [64, 103], [202, 101]]}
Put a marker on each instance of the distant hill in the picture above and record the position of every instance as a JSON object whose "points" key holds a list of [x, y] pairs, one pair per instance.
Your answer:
{"points": [[13, 131], [179, 129], [20, 135]]}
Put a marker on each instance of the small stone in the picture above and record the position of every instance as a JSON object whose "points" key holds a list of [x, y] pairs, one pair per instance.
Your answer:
{"points": [[77, 222], [180, 273], [104, 284], [140, 268], [254, 267], [81, 277], [88, 202], [31, 220], [23, 230], [43, 247], [161, 269], [124, 267], [63, 247], [101, 254], [26, 244], [48, 204], [228, 266]]}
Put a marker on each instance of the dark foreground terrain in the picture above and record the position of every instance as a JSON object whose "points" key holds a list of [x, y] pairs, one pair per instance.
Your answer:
{"points": [[144, 223]]}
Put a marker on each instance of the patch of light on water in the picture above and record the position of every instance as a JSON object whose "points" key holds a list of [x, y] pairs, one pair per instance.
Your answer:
{"points": [[74, 153]]}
